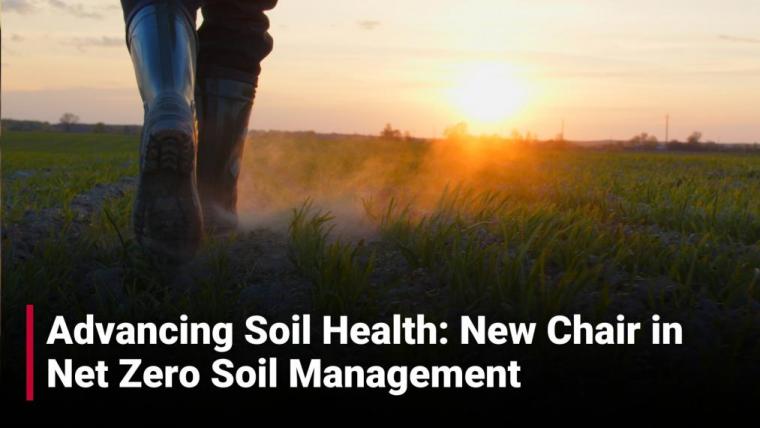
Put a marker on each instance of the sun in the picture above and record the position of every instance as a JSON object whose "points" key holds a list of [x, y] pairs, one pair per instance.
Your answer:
{"points": [[489, 93]]}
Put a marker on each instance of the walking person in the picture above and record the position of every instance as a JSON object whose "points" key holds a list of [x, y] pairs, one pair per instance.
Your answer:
{"points": [[197, 89]]}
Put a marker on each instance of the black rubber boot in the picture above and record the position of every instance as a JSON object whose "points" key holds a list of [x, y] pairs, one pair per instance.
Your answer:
{"points": [[224, 107], [167, 215]]}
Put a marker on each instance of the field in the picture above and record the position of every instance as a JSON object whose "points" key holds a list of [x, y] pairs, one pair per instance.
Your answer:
{"points": [[369, 227]]}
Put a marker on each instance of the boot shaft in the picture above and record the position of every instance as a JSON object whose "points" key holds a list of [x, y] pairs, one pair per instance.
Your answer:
{"points": [[224, 107], [163, 46]]}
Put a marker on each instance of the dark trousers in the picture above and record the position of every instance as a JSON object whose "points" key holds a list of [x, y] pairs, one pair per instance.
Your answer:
{"points": [[233, 38]]}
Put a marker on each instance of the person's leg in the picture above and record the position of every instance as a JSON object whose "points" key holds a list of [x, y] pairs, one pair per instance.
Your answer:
{"points": [[233, 40], [163, 46], [130, 7]]}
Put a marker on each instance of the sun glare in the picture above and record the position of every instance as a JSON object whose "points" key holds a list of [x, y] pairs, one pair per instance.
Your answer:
{"points": [[489, 93]]}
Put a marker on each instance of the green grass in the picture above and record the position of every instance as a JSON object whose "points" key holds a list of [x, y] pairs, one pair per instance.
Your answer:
{"points": [[58, 166], [368, 228], [526, 232], [340, 280]]}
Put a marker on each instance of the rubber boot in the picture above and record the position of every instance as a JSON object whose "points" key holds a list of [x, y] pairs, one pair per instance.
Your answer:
{"points": [[167, 216], [224, 107]]}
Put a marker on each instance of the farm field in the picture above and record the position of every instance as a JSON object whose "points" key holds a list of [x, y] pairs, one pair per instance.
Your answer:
{"points": [[370, 227]]}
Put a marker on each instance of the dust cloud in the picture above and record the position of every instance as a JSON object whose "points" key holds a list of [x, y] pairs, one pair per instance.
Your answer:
{"points": [[356, 177]]}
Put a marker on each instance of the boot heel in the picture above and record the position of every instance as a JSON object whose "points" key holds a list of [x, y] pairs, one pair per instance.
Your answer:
{"points": [[170, 151], [167, 214]]}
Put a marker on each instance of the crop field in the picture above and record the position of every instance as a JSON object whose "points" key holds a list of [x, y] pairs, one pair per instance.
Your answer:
{"points": [[369, 227]]}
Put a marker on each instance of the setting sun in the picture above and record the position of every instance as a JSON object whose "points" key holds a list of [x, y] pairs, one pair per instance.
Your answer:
{"points": [[489, 93]]}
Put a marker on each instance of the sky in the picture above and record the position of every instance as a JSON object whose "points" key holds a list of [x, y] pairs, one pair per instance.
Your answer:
{"points": [[607, 68]]}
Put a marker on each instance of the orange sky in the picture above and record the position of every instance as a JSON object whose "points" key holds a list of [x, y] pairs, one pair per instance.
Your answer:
{"points": [[609, 68]]}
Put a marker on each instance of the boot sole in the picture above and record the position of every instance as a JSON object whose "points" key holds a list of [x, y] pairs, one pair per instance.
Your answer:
{"points": [[167, 216]]}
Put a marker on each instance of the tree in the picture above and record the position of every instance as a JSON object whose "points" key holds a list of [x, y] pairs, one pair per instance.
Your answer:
{"points": [[644, 140], [459, 131], [694, 138], [389, 133], [68, 120], [99, 128]]}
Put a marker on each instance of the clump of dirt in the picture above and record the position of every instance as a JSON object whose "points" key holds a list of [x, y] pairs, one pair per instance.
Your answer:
{"points": [[86, 204]]}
